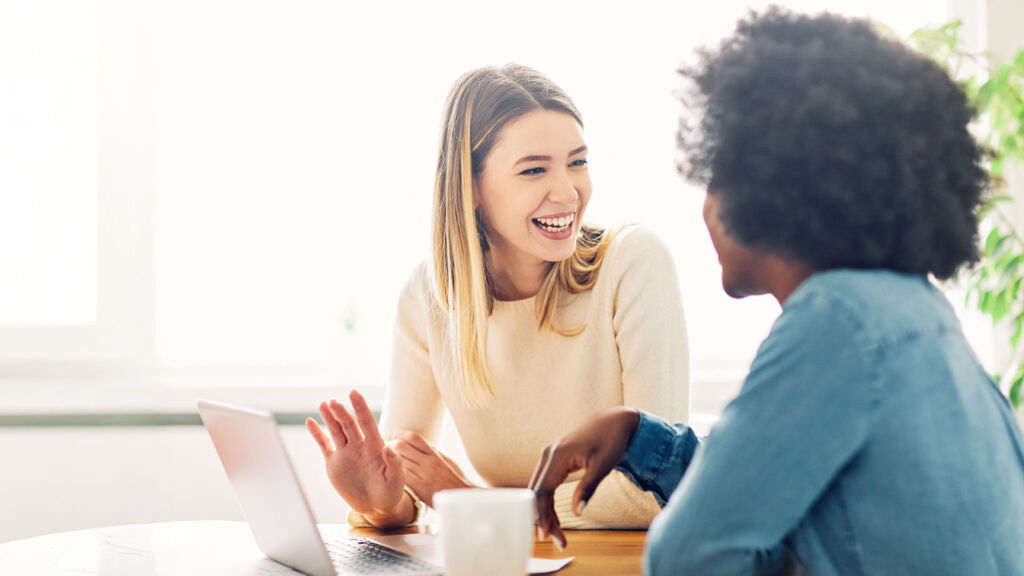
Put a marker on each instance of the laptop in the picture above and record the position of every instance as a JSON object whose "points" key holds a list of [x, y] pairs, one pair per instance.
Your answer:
{"points": [[269, 493]]}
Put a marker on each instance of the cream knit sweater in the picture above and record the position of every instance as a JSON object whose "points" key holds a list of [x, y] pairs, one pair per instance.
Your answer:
{"points": [[633, 353]]}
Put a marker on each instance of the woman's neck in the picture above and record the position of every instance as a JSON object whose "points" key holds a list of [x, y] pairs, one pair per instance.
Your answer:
{"points": [[514, 280]]}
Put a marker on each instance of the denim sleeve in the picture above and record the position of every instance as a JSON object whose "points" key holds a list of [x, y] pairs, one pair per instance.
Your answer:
{"points": [[658, 455], [804, 412]]}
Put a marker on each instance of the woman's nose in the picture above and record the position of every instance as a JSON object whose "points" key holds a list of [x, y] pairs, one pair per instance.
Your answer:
{"points": [[563, 190]]}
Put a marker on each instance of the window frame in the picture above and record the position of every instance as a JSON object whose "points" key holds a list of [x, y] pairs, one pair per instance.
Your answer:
{"points": [[121, 337]]}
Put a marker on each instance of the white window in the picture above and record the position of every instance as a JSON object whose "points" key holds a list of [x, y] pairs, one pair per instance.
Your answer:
{"points": [[48, 101], [72, 247]]}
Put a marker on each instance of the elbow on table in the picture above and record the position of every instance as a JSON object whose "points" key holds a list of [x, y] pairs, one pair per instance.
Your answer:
{"points": [[700, 560], [683, 548], [692, 560], [672, 548]]}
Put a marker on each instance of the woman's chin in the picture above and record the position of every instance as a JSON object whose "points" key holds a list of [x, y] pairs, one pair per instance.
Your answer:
{"points": [[559, 255]]}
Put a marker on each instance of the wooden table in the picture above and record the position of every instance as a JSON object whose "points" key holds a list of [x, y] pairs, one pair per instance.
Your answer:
{"points": [[595, 552], [200, 548], [598, 552]]}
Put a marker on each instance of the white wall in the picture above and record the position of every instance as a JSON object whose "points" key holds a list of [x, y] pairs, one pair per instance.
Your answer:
{"points": [[56, 479]]}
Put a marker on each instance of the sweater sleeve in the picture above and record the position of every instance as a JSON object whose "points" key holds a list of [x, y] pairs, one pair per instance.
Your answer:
{"points": [[413, 401], [650, 333], [650, 328]]}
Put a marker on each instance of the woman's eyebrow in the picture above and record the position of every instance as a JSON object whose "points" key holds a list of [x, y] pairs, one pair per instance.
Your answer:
{"points": [[540, 158], [532, 159]]}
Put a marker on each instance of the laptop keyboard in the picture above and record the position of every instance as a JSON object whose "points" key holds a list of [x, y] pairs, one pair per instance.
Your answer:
{"points": [[362, 556]]}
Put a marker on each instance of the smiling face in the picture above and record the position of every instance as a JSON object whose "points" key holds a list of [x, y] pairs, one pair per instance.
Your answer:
{"points": [[533, 190]]}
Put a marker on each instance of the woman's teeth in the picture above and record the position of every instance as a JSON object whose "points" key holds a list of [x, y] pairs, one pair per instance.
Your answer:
{"points": [[555, 224]]}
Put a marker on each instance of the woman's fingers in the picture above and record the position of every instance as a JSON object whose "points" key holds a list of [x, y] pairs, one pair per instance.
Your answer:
{"points": [[410, 456], [333, 426], [318, 434], [413, 441], [347, 421], [364, 417], [394, 468], [411, 469]]}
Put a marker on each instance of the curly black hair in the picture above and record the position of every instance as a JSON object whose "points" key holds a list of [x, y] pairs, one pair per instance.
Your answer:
{"points": [[834, 146]]}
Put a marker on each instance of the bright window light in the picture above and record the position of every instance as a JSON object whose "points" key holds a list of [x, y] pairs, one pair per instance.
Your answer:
{"points": [[295, 146], [48, 171]]}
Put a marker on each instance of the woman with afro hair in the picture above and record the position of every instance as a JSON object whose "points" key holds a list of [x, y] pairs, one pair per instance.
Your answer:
{"points": [[866, 439]]}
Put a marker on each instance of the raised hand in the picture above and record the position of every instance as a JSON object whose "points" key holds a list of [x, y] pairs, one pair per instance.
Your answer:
{"points": [[367, 474], [427, 470], [595, 447]]}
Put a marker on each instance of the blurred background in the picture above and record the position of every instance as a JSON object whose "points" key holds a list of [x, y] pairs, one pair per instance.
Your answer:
{"points": [[223, 199]]}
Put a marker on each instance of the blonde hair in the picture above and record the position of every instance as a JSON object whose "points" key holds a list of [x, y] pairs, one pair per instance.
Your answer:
{"points": [[479, 105]]}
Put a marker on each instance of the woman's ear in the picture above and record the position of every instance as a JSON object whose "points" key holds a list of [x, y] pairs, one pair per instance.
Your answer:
{"points": [[476, 196]]}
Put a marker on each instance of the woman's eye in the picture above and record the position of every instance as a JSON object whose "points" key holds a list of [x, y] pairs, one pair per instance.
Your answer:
{"points": [[532, 171], [580, 162]]}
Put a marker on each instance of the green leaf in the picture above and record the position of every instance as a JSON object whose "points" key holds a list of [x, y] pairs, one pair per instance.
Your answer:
{"points": [[984, 303], [1008, 144], [997, 166], [1017, 390], [1000, 306], [1018, 329], [996, 285], [992, 240], [984, 95], [1012, 268], [1004, 255], [996, 250], [982, 276], [1013, 289]]}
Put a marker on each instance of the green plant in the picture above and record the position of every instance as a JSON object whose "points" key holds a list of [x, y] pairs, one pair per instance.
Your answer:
{"points": [[997, 93]]}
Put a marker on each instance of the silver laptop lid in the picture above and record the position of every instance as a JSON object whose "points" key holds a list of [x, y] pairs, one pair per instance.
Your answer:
{"points": [[265, 484]]}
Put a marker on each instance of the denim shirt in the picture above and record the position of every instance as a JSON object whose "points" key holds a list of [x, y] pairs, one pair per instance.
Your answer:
{"points": [[866, 439]]}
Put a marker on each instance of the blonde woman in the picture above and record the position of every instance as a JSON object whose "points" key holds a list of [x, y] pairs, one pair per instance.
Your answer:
{"points": [[523, 324]]}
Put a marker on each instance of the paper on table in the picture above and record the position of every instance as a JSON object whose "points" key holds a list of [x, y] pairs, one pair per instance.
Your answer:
{"points": [[428, 547], [546, 566]]}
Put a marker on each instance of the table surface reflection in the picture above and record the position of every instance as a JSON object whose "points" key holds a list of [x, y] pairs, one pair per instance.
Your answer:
{"points": [[199, 548]]}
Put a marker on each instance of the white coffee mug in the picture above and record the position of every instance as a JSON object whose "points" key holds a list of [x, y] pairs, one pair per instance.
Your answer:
{"points": [[486, 530]]}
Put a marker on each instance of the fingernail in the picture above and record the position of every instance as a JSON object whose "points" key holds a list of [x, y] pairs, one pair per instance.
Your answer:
{"points": [[543, 534], [579, 507], [559, 544]]}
